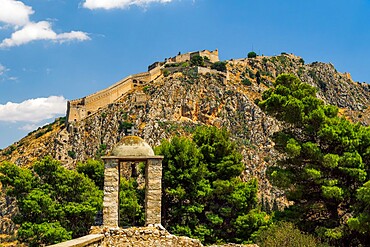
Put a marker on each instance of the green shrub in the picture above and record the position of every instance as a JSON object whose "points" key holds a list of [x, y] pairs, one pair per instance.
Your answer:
{"points": [[94, 169], [252, 54], [10, 150], [124, 126], [131, 207], [196, 60], [185, 64], [54, 204], [146, 89], [246, 82], [101, 151], [203, 194], [166, 72], [220, 66], [72, 154], [287, 235]]}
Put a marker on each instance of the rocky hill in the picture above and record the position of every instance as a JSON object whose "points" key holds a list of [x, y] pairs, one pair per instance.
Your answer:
{"points": [[182, 98]]}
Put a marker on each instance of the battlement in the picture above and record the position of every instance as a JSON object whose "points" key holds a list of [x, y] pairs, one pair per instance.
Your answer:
{"points": [[79, 109]]}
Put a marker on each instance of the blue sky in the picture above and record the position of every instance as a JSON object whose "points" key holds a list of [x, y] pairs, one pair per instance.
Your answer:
{"points": [[55, 50]]}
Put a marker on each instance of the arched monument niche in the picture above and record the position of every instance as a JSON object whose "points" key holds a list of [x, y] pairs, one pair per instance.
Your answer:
{"points": [[132, 149]]}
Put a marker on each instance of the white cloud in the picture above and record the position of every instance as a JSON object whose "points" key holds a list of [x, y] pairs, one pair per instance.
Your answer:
{"points": [[3, 69], [40, 31], [118, 4], [33, 110], [29, 127], [73, 35], [14, 12]]}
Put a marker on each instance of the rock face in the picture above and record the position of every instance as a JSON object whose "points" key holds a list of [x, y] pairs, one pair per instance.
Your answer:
{"points": [[177, 102]]}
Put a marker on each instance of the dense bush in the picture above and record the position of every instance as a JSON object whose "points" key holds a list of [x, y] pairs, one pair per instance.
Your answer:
{"points": [[220, 66], [204, 196], [55, 204], [131, 207], [197, 60], [287, 235], [94, 169], [246, 82], [252, 54]]}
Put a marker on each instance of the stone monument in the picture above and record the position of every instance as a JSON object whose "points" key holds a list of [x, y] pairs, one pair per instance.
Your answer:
{"points": [[132, 149]]}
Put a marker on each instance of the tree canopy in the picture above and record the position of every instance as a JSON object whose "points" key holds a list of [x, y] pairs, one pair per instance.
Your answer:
{"points": [[325, 170], [204, 196], [252, 54], [55, 204]]}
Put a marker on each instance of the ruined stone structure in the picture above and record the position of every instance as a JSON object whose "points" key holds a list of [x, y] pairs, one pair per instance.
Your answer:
{"points": [[136, 237], [132, 149], [80, 108]]}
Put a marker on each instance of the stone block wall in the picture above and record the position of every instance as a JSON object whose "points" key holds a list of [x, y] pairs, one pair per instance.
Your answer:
{"points": [[143, 237], [81, 108], [111, 193], [153, 191]]}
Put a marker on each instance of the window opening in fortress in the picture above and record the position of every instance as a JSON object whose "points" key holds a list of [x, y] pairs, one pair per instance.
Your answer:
{"points": [[132, 194]]}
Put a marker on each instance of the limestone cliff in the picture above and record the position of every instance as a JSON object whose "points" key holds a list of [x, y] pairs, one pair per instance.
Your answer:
{"points": [[178, 100]]}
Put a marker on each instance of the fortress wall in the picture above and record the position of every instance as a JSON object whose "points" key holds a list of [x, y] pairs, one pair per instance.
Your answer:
{"points": [[154, 73], [75, 110], [182, 58], [212, 55], [81, 108], [107, 96], [202, 70]]}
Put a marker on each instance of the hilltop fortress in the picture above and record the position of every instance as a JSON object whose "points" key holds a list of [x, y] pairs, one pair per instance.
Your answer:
{"points": [[81, 108]]}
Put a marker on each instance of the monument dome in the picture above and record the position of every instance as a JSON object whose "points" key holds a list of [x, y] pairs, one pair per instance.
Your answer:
{"points": [[132, 146]]}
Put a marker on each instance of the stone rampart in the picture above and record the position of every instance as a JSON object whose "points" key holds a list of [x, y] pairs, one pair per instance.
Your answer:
{"points": [[81, 108]]}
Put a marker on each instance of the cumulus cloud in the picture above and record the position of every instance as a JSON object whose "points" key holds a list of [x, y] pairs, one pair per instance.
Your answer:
{"points": [[33, 110], [118, 4], [16, 13], [41, 31]]}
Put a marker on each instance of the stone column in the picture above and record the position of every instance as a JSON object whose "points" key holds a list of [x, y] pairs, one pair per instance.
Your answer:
{"points": [[153, 191], [111, 193]]}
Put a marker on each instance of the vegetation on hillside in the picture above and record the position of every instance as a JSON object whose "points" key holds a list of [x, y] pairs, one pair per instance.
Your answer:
{"points": [[55, 204], [204, 196], [325, 170], [286, 234], [324, 173]]}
